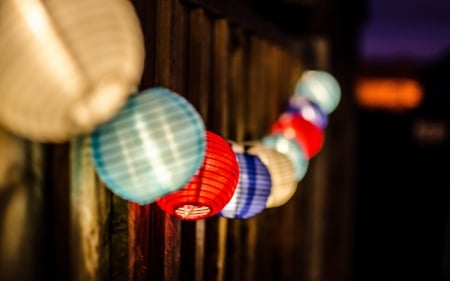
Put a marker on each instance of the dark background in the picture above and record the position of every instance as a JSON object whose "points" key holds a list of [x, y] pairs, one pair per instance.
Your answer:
{"points": [[402, 212]]}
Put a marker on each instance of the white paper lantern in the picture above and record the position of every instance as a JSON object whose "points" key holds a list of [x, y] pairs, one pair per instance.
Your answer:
{"points": [[66, 66], [282, 174]]}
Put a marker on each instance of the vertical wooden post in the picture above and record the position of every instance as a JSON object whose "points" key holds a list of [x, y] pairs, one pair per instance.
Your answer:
{"points": [[216, 227], [23, 244], [89, 208], [198, 93], [237, 85]]}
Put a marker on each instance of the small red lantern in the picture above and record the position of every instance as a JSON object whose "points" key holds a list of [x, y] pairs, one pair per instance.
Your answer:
{"points": [[294, 126], [212, 186]]}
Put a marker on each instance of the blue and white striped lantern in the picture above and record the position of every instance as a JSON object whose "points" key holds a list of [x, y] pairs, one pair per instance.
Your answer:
{"points": [[282, 174], [291, 149], [152, 147], [253, 189], [307, 109]]}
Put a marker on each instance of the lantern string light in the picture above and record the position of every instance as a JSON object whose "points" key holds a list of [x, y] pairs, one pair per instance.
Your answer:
{"points": [[237, 180], [156, 147]]}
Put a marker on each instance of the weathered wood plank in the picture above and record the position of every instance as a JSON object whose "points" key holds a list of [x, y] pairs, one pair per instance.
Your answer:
{"points": [[198, 93], [199, 61], [89, 220], [165, 231], [238, 87], [139, 219], [22, 240], [145, 10], [215, 232], [240, 13]]}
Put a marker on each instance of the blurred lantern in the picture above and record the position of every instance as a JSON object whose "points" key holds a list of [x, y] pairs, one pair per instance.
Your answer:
{"points": [[320, 87], [67, 65], [253, 189], [307, 109], [292, 150], [152, 147], [212, 186], [282, 174], [294, 126]]}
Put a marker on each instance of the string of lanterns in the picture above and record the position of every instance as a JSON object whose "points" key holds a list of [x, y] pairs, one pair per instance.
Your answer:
{"points": [[156, 149], [150, 146]]}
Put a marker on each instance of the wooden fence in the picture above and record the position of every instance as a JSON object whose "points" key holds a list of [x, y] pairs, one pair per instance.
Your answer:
{"points": [[59, 222]]}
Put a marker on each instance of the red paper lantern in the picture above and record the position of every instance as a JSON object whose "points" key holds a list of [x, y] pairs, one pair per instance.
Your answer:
{"points": [[294, 126], [212, 186]]}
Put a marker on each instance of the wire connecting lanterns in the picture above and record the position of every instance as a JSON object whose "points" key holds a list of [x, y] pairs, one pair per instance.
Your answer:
{"points": [[212, 186], [252, 191], [152, 147], [67, 66]]}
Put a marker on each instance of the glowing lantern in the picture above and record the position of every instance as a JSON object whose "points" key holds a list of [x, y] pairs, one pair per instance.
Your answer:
{"points": [[152, 147], [292, 150], [67, 66], [253, 189], [320, 87], [212, 186], [282, 174], [294, 126], [308, 110]]}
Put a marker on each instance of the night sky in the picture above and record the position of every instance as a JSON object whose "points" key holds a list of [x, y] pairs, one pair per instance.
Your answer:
{"points": [[415, 29]]}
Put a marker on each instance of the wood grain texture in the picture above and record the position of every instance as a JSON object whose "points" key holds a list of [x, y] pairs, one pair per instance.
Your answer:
{"points": [[22, 209], [89, 220], [218, 118]]}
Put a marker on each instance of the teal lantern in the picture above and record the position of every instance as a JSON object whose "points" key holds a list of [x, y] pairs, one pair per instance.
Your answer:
{"points": [[152, 147], [321, 88], [291, 149]]}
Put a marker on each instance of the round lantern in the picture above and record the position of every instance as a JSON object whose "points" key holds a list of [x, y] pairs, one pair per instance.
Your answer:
{"points": [[212, 186], [294, 126], [320, 87], [307, 109], [253, 189], [292, 150], [67, 66], [282, 174], [152, 147]]}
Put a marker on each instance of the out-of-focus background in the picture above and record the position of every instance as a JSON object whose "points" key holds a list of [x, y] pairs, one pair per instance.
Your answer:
{"points": [[402, 214]]}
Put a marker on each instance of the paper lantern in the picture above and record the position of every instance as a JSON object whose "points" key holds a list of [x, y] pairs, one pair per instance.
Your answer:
{"points": [[67, 66], [294, 126], [152, 147], [282, 174], [320, 87], [253, 189], [292, 150], [210, 189], [307, 109]]}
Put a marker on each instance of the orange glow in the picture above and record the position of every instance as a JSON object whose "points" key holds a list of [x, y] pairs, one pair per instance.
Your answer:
{"points": [[389, 93]]}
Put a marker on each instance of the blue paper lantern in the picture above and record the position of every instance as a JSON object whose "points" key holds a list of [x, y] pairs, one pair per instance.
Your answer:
{"points": [[152, 147], [250, 196], [308, 109], [321, 88], [291, 149]]}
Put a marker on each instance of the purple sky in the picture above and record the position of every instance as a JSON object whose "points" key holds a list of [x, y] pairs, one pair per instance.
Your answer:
{"points": [[417, 29]]}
